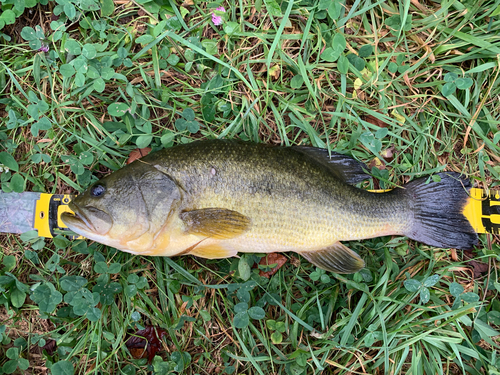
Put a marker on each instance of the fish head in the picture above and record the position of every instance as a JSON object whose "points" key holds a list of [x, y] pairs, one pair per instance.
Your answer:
{"points": [[127, 209]]}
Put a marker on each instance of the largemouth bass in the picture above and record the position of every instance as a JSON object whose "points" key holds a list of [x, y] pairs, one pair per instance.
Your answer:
{"points": [[216, 198]]}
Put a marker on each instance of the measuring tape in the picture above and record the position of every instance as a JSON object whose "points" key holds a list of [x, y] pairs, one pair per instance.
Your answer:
{"points": [[482, 211], [48, 210]]}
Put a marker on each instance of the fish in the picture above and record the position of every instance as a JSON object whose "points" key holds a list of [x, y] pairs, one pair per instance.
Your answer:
{"points": [[217, 198]]}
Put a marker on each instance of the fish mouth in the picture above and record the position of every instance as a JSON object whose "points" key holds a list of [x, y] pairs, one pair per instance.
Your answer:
{"points": [[79, 221]]}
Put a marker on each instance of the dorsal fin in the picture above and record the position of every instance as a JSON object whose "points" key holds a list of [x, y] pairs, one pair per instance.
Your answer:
{"points": [[342, 166]]}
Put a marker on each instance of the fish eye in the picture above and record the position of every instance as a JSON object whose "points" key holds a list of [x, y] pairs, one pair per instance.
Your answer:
{"points": [[97, 190]]}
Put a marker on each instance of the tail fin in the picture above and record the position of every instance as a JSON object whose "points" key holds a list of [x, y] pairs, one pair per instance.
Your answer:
{"points": [[438, 212]]}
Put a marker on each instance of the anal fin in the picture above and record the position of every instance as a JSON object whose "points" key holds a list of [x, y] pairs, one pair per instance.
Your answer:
{"points": [[336, 258]]}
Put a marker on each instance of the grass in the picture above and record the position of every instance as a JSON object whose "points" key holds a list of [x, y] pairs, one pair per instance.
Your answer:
{"points": [[409, 87]]}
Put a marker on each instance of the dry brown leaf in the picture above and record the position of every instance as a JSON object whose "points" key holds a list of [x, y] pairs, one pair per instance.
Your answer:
{"points": [[294, 261], [270, 259], [44, 140], [376, 162], [274, 71], [147, 340], [454, 256], [477, 267], [375, 121], [138, 353], [50, 346], [388, 153], [137, 154]]}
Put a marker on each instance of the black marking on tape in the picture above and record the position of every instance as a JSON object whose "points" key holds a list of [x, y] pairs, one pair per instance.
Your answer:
{"points": [[488, 208], [55, 201]]}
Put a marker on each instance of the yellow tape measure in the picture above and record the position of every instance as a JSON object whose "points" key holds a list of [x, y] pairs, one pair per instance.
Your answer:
{"points": [[482, 211], [49, 208]]}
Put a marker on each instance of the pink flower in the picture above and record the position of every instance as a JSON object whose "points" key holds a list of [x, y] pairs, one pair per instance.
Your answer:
{"points": [[217, 20], [43, 48]]}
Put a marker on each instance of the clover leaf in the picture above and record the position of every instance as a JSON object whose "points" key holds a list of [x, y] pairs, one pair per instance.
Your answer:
{"points": [[277, 329], [107, 291], [33, 36], [243, 314], [47, 297], [453, 81], [457, 291], [187, 121], [413, 286]]}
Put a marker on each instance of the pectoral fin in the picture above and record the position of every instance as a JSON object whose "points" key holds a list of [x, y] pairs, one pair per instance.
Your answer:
{"points": [[216, 223], [336, 258]]}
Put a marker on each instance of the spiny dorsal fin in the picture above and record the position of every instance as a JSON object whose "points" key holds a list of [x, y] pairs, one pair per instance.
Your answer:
{"points": [[343, 167], [336, 258], [215, 222]]}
